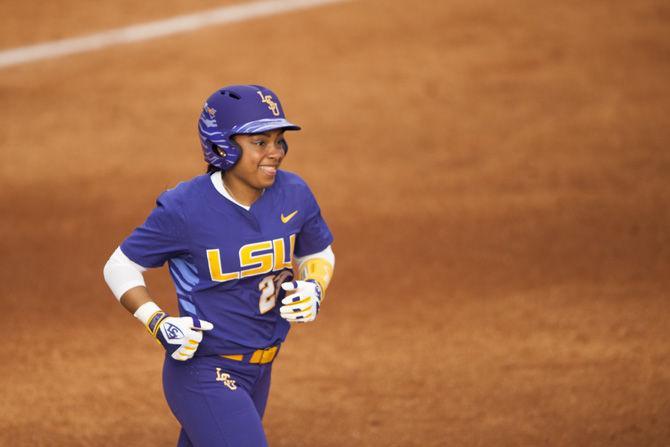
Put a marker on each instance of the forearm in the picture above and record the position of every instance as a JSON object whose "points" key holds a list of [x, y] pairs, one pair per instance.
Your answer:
{"points": [[134, 298], [125, 280]]}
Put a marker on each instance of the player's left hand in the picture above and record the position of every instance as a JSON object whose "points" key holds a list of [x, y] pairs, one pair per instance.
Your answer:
{"points": [[302, 301]]}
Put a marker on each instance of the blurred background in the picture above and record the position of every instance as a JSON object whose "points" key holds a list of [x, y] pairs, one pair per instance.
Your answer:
{"points": [[495, 175]]}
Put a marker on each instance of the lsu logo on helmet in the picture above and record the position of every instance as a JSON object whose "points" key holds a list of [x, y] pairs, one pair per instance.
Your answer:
{"points": [[267, 99], [211, 111]]}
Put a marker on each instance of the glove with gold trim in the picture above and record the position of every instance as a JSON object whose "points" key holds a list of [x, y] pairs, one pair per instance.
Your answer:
{"points": [[302, 301], [180, 336]]}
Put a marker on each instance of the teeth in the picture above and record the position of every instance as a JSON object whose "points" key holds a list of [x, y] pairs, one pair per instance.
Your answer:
{"points": [[270, 170]]}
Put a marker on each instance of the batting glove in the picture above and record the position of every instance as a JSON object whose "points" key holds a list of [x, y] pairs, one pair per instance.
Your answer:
{"points": [[302, 301], [179, 336]]}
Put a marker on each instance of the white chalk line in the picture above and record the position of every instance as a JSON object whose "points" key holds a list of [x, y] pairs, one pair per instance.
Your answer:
{"points": [[153, 30]]}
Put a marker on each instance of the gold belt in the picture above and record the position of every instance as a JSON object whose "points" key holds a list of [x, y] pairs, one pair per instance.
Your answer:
{"points": [[259, 356]]}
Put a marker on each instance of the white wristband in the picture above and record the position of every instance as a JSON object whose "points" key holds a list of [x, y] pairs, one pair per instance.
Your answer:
{"points": [[146, 311]]}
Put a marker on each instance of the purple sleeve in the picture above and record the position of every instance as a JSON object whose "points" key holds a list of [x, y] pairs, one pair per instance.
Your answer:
{"points": [[314, 235], [161, 237]]}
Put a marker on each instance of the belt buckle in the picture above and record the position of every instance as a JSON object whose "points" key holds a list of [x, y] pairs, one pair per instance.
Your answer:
{"points": [[262, 356], [268, 355]]}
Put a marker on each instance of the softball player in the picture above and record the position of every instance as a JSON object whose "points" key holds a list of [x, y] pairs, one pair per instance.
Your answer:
{"points": [[231, 238]]}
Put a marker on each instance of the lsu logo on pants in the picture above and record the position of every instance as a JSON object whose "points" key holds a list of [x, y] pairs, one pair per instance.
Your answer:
{"points": [[225, 378]]}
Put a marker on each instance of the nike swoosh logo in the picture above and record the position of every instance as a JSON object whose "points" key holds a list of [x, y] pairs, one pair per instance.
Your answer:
{"points": [[285, 219]]}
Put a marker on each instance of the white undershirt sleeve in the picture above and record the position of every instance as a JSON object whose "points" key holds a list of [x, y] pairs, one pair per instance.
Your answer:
{"points": [[122, 274], [326, 253]]}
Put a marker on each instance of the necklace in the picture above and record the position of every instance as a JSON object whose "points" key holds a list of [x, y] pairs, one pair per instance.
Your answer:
{"points": [[232, 196], [226, 188]]}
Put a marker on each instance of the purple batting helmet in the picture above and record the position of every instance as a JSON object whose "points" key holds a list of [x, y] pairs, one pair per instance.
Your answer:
{"points": [[233, 110]]}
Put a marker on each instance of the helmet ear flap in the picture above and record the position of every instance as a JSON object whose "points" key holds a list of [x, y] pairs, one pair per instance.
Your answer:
{"points": [[218, 150], [226, 156]]}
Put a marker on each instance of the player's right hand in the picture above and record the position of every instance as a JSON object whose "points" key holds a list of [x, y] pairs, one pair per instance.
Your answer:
{"points": [[179, 336], [302, 301]]}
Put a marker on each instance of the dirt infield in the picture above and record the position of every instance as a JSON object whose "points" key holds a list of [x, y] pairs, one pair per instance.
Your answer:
{"points": [[496, 179]]}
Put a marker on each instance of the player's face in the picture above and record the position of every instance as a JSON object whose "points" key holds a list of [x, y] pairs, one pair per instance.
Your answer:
{"points": [[262, 154]]}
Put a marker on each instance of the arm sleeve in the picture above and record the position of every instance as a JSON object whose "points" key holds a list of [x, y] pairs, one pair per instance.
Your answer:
{"points": [[122, 274], [161, 237], [318, 267], [326, 254], [314, 236]]}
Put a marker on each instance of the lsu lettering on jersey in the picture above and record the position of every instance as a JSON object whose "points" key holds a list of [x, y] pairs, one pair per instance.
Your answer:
{"points": [[227, 263]]}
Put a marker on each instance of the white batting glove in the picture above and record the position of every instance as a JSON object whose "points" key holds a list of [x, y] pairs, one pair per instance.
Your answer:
{"points": [[181, 336], [302, 301]]}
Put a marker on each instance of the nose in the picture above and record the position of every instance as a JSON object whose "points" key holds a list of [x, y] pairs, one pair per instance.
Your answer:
{"points": [[277, 150]]}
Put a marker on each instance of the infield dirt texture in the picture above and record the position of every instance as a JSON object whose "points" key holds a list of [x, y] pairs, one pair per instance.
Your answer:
{"points": [[496, 175]]}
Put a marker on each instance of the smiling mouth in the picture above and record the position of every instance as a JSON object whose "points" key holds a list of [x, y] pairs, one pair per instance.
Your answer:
{"points": [[269, 170]]}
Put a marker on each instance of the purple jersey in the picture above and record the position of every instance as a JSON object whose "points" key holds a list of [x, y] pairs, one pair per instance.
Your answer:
{"points": [[226, 262]]}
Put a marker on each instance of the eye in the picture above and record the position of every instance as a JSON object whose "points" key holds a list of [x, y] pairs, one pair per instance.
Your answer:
{"points": [[259, 143]]}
